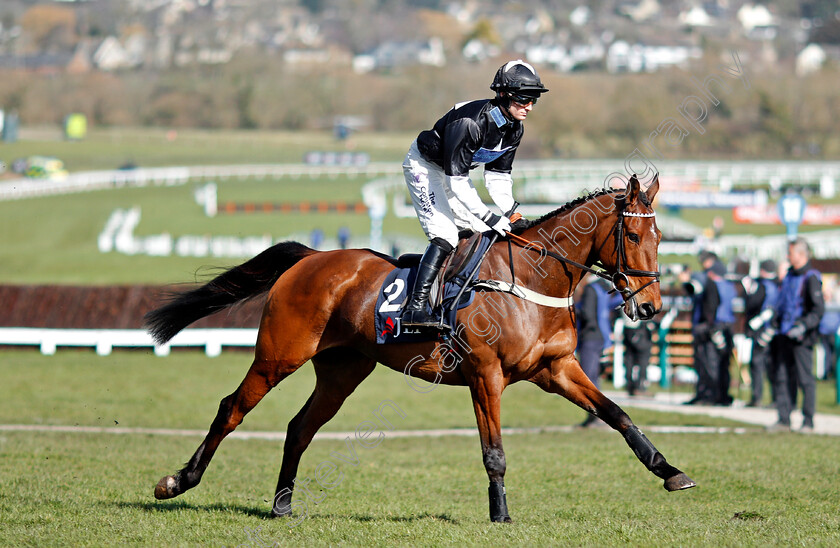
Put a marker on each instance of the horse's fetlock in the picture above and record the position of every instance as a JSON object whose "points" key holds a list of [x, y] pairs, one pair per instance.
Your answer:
{"points": [[187, 480]]}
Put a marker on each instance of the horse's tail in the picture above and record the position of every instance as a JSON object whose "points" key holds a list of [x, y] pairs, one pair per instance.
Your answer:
{"points": [[240, 283]]}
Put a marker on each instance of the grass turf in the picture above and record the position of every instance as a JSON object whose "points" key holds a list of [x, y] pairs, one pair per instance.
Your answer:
{"points": [[583, 489], [580, 488]]}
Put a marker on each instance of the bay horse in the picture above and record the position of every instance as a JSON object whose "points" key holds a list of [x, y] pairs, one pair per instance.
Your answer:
{"points": [[320, 308]]}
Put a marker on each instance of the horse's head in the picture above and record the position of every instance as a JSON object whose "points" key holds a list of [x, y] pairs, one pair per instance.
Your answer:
{"points": [[633, 259]]}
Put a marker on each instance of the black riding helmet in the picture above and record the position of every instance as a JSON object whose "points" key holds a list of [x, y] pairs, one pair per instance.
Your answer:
{"points": [[517, 78]]}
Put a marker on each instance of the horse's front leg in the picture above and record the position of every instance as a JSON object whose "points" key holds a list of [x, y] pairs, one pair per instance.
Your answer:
{"points": [[566, 378], [487, 397]]}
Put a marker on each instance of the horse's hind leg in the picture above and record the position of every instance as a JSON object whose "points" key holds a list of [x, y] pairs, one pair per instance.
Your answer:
{"points": [[339, 371], [568, 379], [260, 379]]}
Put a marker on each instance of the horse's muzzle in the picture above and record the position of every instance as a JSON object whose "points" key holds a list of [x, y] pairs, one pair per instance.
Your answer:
{"points": [[647, 311]]}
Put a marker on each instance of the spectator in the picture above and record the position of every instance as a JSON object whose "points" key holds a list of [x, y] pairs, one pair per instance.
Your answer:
{"points": [[798, 313], [594, 319], [638, 343], [343, 237], [759, 307], [717, 316], [317, 238], [694, 284], [829, 325]]}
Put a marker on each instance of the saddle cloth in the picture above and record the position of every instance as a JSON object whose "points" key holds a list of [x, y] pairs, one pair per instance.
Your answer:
{"points": [[396, 289]]}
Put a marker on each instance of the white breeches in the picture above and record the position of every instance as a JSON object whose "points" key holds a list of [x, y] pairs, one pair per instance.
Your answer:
{"points": [[441, 214]]}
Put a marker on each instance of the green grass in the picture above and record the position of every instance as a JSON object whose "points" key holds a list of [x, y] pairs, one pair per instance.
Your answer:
{"points": [[54, 239], [138, 389], [150, 147], [581, 488]]}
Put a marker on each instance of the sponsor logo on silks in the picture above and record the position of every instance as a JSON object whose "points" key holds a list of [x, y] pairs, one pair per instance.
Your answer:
{"points": [[498, 117], [389, 327], [485, 156], [427, 200]]}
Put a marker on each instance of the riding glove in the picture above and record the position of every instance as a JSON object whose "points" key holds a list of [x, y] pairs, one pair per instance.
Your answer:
{"points": [[499, 223]]}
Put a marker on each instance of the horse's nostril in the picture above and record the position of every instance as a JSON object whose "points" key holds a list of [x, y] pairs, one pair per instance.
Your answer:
{"points": [[647, 310]]}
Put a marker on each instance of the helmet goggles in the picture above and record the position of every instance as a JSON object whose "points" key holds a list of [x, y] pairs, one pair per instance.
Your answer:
{"points": [[523, 100]]}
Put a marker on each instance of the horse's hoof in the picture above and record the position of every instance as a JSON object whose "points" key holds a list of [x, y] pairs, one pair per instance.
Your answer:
{"points": [[678, 482], [285, 512], [165, 489], [501, 519]]}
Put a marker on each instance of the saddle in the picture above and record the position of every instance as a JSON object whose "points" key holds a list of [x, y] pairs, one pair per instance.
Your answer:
{"points": [[446, 290], [467, 247]]}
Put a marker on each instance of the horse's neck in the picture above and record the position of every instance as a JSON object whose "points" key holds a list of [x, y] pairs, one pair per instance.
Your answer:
{"points": [[576, 235]]}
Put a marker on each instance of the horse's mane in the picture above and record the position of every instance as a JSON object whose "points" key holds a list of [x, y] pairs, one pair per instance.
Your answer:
{"points": [[523, 225]]}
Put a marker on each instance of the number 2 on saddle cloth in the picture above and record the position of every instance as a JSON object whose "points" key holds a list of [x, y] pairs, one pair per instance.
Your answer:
{"points": [[398, 283]]}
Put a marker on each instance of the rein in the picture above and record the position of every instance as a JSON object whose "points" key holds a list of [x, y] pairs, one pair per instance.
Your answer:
{"points": [[621, 277], [534, 245]]}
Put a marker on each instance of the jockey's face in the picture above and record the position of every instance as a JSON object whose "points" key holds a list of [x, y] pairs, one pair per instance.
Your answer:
{"points": [[519, 111]]}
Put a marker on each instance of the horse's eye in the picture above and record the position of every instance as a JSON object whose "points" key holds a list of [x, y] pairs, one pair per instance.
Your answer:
{"points": [[633, 237]]}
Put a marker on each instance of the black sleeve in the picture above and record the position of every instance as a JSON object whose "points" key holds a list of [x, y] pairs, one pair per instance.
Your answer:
{"points": [[814, 305], [461, 140], [711, 302], [753, 302]]}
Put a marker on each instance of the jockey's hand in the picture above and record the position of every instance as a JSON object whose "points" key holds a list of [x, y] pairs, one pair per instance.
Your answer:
{"points": [[499, 223]]}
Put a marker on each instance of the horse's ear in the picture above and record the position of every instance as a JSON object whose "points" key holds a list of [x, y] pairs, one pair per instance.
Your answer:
{"points": [[633, 187], [653, 188]]}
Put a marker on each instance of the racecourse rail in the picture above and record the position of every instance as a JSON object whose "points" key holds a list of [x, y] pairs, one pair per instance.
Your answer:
{"points": [[589, 174]]}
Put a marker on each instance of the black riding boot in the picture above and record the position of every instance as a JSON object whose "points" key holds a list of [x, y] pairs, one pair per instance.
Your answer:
{"points": [[415, 316]]}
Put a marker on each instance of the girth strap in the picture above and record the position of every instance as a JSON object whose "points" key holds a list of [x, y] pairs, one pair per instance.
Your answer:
{"points": [[525, 293]]}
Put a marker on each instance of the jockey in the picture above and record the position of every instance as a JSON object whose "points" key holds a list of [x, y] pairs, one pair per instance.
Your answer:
{"points": [[437, 172]]}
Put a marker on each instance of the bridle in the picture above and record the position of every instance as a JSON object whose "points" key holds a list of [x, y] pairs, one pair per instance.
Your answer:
{"points": [[620, 280]]}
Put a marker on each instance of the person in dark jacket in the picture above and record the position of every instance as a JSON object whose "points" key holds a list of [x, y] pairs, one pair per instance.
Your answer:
{"points": [[593, 314], [437, 172], [717, 316], [638, 344], [829, 326], [798, 313], [759, 307], [704, 294]]}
